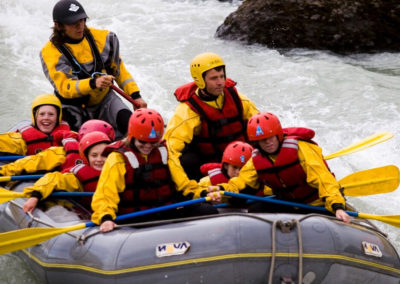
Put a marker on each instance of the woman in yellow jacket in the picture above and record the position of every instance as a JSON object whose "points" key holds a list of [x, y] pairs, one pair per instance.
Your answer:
{"points": [[82, 177], [136, 175], [44, 131], [210, 115], [81, 64], [292, 167], [61, 157]]}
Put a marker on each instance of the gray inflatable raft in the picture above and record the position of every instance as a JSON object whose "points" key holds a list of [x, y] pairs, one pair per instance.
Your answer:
{"points": [[233, 247]]}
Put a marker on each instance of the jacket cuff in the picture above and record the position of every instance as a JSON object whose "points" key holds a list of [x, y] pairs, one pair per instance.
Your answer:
{"points": [[92, 83], [136, 95], [337, 206], [106, 218], [36, 194], [203, 193]]}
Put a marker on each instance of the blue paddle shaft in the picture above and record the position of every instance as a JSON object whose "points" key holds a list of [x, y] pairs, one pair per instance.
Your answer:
{"points": [[10, 158], [25, 177], [153, 210], [71, 194], [283, 202]]}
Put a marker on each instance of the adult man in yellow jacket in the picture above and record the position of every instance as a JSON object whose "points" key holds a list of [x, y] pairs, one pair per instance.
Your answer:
{"points": [[81, 64], [211, 114]]}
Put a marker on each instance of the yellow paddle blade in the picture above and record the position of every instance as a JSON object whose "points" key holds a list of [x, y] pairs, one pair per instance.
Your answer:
{"points": [[7, 195], [393, 220], [373, 181], [20, 239], [362, 144]]}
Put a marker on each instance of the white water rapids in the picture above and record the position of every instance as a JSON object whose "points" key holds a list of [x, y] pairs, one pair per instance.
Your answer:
{"points": [[343, 98]]}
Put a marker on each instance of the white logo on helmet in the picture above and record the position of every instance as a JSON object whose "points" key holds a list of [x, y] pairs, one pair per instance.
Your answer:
{"points": [[73, 7]]}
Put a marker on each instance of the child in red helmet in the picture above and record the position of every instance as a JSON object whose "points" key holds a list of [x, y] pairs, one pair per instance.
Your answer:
{"points": [[82, 177], [235, 156], [136, 175], [291, 166]]}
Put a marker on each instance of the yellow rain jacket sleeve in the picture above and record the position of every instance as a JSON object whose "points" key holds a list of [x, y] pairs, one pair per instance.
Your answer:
{"points": [[184, 124], [205, 182], [318, 176], [58, 69], [46, 160], [12, 143], [55, 181], [111, 182]]}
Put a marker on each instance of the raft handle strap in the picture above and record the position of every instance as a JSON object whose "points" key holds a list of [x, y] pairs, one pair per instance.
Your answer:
{"points": [[286, 227]]}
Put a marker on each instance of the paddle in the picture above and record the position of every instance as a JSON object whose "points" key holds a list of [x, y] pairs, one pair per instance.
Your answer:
{"points": [[358, 146], [373, 181], [362, 144], [393, 220], [7, 195], [24, 238], [125, 95], [24, 177], [10, 158], [368, 182]]}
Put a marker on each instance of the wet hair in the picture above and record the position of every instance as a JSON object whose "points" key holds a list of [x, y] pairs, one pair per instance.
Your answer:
{"points": [[218, 68], [58, 37]]}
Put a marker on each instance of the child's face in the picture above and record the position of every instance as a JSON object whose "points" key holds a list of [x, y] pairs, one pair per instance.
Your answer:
{"points": [[231, 170], [145, 147], [96, 160], [269, 145], [46, 118]]}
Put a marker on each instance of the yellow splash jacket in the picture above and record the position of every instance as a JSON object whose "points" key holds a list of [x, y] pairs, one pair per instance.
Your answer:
{"points": [[59, 71], [318, 176], [182, 127]]}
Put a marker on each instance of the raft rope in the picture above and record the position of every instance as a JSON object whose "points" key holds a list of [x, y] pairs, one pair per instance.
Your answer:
{"points": [[285, 228]]}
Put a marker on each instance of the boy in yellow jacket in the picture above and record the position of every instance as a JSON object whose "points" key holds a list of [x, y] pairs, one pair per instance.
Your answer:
{"points": [[291, 166]]}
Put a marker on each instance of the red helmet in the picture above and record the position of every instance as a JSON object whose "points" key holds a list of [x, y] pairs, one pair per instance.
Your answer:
{"points": [[96, 125], [264, 125], [237, 153], [89, 140], [146, 124]]}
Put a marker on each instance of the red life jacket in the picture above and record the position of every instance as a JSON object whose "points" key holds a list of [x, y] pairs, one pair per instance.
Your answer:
{"points": [[37, 141], [88, 177], [147, 183], [285, 176], [218, 127], [214, 171], [217, 176], [72, 158]]}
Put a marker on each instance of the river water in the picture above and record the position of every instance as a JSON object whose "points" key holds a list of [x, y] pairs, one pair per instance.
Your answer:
{"points": [[343, 98]]}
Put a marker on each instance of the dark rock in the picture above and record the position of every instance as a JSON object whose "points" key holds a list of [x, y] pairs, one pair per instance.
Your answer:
{"points": [[341, 26]]}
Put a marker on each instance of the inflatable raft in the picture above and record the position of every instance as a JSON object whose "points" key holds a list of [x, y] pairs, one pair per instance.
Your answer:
{"points": [[233, 247]]}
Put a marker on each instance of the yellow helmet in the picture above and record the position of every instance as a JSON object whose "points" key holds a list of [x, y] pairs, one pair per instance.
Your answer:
{"points": [[202, 63], [46, 99]]}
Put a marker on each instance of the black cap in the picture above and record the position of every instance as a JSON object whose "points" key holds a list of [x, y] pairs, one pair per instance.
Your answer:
{"points": [[68, 12]]}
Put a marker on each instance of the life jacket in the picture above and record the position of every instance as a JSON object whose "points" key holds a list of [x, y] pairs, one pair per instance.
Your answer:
{"points": [[79, 70], [72, 158], [218, 127], [147, 183], [217, 176], [37, 141], [214, 171], [88, 177], [285, 176]]}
